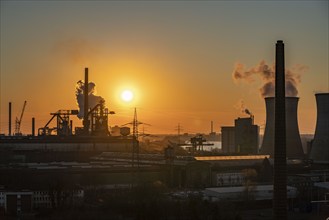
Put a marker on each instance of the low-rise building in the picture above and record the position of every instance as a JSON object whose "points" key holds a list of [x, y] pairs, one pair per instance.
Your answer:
{"points": [[248, 192], [16, 202]]}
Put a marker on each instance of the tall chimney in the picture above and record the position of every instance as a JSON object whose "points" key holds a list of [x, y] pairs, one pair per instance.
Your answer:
{"points": [[33, 126], [85, 93], [71, 127], [320, 146], [280, 163], [9, 123], [212, 127]]}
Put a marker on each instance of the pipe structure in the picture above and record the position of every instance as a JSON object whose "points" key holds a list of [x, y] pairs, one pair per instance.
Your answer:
{"points": [[280, 163], [71, 127], [85, 113], [33, 127], [9, 120]]}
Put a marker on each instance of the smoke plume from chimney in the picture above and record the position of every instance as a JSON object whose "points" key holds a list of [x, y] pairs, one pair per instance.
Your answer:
{"points": [[266, 74], [241, 107], [93, 100]]}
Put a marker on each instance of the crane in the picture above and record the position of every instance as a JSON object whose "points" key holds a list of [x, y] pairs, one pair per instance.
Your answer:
{"points": [[18, 122]]}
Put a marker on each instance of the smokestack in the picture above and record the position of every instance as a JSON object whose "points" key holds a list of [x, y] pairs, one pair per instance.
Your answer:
{"points": [[33, 127], [280, 163], [212, 127], [85, 93], [294, 147], [71, 127], [9, 121], [320, 146]]}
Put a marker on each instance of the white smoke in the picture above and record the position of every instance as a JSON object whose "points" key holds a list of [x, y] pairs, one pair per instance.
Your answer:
{"points": [[93, 100], [267, 75]]}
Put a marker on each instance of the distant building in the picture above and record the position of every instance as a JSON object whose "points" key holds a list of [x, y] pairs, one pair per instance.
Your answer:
{"points": [[228, 139], [246, 136], [45, 199], [240, 193], [242, 138]]}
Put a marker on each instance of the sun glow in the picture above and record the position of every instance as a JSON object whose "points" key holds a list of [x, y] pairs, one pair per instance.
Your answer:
{"points": [[127, 95]]}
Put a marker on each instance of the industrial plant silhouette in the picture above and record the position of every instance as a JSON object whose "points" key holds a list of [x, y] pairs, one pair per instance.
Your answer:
{"points": [[102, 171]]}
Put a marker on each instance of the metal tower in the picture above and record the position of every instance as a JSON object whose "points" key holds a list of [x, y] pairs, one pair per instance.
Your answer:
{"points": [[19, 121], [135, 142]]}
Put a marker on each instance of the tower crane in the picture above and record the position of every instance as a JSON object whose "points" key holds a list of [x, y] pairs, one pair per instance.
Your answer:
{"points": [[18, 122]]}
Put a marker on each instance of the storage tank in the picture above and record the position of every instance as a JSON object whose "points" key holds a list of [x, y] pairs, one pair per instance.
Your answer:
{"points": [[125, 131], [320, 145], [294, 143]]}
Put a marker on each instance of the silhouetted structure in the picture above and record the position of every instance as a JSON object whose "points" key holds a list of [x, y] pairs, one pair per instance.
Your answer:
{"points": [[246, 136], [85, 94], [18, 122], [280, 163], [242, 138], [293, 142], [228, 139], [320, 145], [9, 120], [135, 142], [33, 127]]}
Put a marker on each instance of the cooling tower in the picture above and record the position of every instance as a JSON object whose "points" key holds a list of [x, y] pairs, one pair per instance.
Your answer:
{"points": [[293, 144], [320, 146]]}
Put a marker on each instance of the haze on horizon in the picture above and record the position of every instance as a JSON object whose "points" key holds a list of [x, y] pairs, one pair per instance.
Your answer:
{"points": [[177, 57]]}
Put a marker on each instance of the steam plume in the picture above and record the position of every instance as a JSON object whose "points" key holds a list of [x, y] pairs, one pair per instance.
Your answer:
{"points": [[93, 100], [241, 106], [266, 74]]}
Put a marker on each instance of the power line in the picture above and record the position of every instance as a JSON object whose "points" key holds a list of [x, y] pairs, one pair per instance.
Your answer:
{"points": [[135, 142], [178, 129]]}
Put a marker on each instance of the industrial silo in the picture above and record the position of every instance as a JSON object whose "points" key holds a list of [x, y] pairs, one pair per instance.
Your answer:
{"points": [[320, 145], [294, 143]]}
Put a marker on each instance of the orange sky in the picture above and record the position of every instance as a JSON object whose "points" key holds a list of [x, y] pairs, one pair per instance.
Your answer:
{"points": [[177, 57]]}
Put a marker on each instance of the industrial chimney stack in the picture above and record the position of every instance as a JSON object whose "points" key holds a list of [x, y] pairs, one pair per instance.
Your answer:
{"points": [[86, 109], [9, 120], [280, 163], [320, 145]]}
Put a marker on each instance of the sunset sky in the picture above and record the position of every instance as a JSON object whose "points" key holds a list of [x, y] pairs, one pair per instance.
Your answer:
{"points": [[177, 57]]}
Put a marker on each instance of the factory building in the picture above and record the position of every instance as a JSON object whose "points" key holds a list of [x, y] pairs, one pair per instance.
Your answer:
{"points": [[17, 202], [246, 136], [240, 193], [242, 138], [228, 139]]}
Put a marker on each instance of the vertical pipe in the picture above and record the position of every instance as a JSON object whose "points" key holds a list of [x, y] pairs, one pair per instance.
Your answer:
{"points": [[212, 127], [280, 163], [85, 93], [33, 127], [9, 124], [71, 127]]}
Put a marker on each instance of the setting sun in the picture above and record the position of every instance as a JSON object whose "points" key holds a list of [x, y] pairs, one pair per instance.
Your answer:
{"points": [[127, 95]]}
